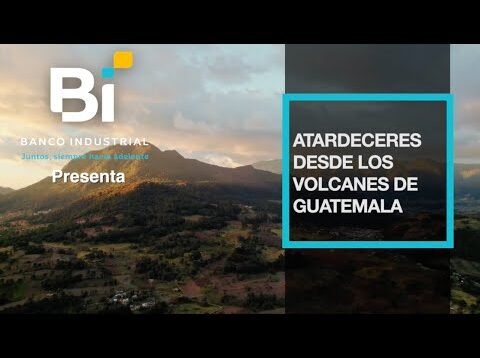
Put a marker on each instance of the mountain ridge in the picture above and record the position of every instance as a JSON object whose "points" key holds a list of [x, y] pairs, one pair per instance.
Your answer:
{"points": [[272, 166], [167, 166], [5, 190]]}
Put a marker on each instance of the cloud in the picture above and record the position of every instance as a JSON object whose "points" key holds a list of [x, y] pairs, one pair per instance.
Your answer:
{"points": [[221, 160], [366, 67], [465, 80], [184, 124], [218, 103]]}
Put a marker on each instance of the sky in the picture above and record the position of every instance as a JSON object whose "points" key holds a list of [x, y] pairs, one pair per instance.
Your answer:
{"points": [[398, 68], [216, 103], [465, 85]]}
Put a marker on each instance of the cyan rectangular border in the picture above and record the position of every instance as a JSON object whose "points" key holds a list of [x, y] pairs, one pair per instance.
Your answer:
{"points": [[289, 97]]}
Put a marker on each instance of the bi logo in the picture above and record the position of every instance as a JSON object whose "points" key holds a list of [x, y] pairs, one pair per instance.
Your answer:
{"points": [[121, 60]]}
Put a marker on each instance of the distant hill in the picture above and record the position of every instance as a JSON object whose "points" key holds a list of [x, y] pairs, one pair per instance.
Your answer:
{"points": [[467, 180], [467, 187], [170, 167], [162, 166], [5, 190], [273, 166]]}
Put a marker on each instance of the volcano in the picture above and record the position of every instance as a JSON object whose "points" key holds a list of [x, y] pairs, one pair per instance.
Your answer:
{"points": [[167, 166]]}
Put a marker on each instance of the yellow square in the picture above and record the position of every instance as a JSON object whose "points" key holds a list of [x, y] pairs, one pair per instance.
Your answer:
{"points": [[123, 59]]}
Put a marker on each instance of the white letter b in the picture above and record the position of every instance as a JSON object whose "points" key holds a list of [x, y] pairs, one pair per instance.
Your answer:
{"points": [[58, 93]]}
